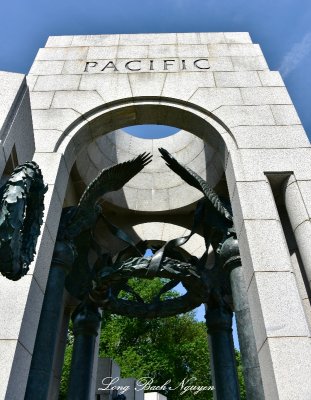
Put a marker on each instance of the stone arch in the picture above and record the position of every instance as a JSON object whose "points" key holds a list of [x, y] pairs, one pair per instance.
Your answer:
{"points": [[139, 111]]}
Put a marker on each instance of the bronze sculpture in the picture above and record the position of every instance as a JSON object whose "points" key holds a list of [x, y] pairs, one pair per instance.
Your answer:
{"points": [[110, 280], [21, 214]]}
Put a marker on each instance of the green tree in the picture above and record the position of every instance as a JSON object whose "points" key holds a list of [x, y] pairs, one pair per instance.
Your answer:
{"points": [[170, 349]]}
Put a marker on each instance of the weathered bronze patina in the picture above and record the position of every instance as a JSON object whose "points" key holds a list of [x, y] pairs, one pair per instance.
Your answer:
{"points": [[21, 213]]}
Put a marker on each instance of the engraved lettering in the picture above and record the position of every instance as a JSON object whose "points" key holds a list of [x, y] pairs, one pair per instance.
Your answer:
{"points": [[127, 65], [168, 63], [110, 64], [137, 65], [88, 64], [200, 60]]}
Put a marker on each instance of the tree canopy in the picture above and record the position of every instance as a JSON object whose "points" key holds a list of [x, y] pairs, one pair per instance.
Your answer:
{"points": [[172, 349]]}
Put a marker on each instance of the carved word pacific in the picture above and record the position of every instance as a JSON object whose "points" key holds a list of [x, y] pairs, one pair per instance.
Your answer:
{"points": [[147, 65]]}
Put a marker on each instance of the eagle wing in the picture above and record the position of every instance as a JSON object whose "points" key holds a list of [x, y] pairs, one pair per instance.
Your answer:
{"points": [[109, 180], [196, 181], [112, 179]]}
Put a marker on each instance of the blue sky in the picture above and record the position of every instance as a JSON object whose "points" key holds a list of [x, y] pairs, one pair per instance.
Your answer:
{"points": [[281, 27]]}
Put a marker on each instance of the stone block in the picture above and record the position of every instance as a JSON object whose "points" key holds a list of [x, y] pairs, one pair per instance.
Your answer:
{"points": [[59, 41], [302, 289], [237, 79], [234, 116], [79, 137], [150, 230], [31, 81], [54, 119], [57, 82], [212, 98], [7, 349], [295, 205], [17, 128], [145, 84], [263, 248], [76, 67], [285, 115], [165, 180], [41, 100], [136, 145], [142, 179], [11, 86], [286, 368], [114, 88], [183, 87], [102, 53], [102, 149], [265, 95], [54, 172], [45, 140], [261, 137], [253, 201], [150, 38], [253, 162], [192, 50], [62, 53], [212, 37], [148, 200], [70, 149], [40, 267], [95, 40], [303, 238], [237, 37], [270, 78], [52, 210], [267, 372], [132, 52], [306, 305], [15, 363], [273, 296], [177, 197], [163, 51], [221, 63], [256, 63], [80, 101], [174, 143], [234, 49], [193, 155], [305, 190], [231, 166], [23, 299], [188, 38], [47, 67], [31, 313]]}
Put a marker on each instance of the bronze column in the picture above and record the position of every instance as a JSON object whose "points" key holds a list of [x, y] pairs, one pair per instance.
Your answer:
{"points": [[45, 344], [219, 329], [86, 321]]}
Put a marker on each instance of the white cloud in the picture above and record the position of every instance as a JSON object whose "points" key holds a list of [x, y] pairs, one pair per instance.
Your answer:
{"points": [[296, 55]]}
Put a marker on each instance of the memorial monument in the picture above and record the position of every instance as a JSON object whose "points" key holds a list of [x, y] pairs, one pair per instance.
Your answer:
{"points": [[224, 204]]}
